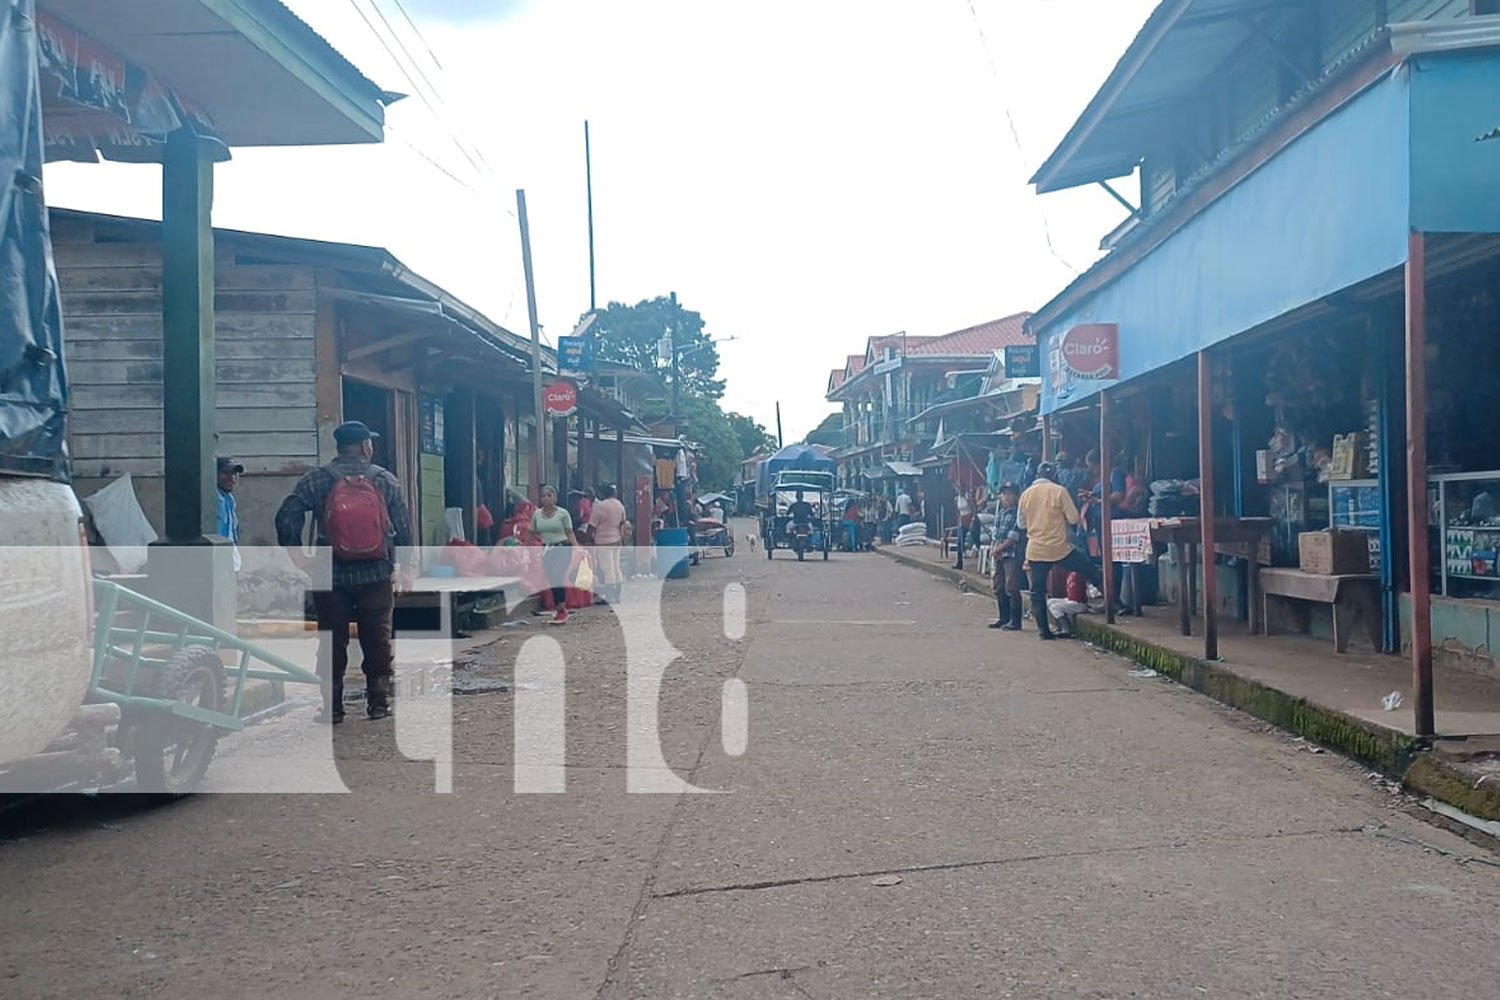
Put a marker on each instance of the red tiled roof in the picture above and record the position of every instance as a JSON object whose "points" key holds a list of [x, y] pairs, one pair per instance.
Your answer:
{"points": [[856, 364], [978, 341], [835, 378]]}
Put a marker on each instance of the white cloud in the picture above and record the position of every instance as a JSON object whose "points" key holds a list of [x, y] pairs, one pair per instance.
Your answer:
{"points": [[803, 174]]}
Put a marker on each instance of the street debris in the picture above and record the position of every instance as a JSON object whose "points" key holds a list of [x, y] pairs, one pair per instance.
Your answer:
{"points": [[884, 880], [1391, 702], [1143, 672]]}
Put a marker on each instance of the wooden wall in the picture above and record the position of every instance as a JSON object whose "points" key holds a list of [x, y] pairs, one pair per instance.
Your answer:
{"points": [[112, 335]]}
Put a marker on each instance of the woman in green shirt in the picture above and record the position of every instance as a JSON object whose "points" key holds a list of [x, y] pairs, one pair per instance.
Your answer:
{"points": [[553, 525]]}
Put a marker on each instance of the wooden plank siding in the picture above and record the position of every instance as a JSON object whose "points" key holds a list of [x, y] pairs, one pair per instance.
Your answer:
{"points": [[111, 301]]}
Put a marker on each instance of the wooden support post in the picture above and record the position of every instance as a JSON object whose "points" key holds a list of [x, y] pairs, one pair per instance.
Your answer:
{"points": [[191, 568], [188, 400], [1206, 506], [620, 462], [1046, 438], [1416, 483], [1106, 508], [596, 459]]}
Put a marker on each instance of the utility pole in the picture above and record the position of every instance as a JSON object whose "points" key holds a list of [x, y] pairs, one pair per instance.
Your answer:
{"points": [[539, 441], [676, 371], [588, 173], [779, 444]]}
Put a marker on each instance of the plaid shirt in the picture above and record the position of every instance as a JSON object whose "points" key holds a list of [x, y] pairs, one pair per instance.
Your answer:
{"points": [[311, 494], [1006, 527]]}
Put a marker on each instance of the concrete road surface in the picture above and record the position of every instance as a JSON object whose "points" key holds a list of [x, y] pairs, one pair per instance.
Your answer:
{"points": [[925, 808]]}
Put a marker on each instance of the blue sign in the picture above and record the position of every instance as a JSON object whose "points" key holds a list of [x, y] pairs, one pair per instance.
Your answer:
{"points": [[1023, 362], [575, 354]]}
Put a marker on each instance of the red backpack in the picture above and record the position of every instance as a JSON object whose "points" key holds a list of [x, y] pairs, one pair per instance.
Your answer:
{"points": [[356, 520]]}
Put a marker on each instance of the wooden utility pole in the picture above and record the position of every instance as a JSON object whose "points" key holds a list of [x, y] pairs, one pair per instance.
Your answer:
{"points": [[588, 174], [1208, 509], [539, 441], [1416, 484], [1107, 507]]}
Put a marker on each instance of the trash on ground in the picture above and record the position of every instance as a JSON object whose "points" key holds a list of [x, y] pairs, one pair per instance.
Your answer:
{"points": [[516, 623], [1391, 702], [1143, 672], [887, 880]]}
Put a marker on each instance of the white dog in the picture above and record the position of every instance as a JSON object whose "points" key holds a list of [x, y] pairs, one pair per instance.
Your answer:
{"points": [[752, 539]]}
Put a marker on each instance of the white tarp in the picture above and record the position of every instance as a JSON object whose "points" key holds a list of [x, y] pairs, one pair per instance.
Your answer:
{"points": [[121, 523]]}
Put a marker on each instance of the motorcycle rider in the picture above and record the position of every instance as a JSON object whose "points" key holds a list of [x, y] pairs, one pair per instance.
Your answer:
{"points": [[799, 513]]}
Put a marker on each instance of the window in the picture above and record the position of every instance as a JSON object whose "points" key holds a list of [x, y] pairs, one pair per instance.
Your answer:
{"points": [[1484, 6]]}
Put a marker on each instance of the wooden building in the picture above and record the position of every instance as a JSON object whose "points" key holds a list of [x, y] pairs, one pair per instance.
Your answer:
{"points": [[309, 334]]}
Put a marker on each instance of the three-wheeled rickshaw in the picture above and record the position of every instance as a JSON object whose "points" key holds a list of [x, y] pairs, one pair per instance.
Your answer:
{"points": [[776, 529]]}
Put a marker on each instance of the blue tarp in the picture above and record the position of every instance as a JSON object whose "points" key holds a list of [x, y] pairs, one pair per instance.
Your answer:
{"points": [[797, 458], [33, 390]]}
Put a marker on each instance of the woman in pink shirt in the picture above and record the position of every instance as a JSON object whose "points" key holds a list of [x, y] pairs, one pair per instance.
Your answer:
{"points": [[608, 521]]}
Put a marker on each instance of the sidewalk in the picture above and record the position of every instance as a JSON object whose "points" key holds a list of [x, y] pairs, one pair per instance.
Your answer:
{"points": [[1301, 685]]}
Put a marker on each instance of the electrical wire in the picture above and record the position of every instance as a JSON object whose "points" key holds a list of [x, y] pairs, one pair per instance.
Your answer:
{"points": [[416, 88], [1015, 134], [418, 32]]}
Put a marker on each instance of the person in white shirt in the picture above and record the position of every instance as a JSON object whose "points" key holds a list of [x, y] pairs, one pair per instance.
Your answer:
{"points": [[903, 509]]}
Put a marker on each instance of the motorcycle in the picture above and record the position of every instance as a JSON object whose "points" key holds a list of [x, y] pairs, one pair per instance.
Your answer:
{"points": [[801, 535]]}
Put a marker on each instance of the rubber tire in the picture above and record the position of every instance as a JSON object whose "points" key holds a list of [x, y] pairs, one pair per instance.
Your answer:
{"points": [[800, 554], [825, 555], [729, 551], [769, 549], [192, 670]]}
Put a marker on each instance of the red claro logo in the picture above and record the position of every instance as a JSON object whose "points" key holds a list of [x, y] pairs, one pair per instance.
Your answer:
{"points": [[560, 398], [1092, 350]]}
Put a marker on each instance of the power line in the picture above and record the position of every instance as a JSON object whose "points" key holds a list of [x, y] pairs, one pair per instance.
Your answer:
{"points": [[416, 88], [417, 31], [1015, 134]]}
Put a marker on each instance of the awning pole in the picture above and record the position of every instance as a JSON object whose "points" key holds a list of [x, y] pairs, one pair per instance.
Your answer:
{"points": [[1206, 506], [1416, 483], [1106, 510]]}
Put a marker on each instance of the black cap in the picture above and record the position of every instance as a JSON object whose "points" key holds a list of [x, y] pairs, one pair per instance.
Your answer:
{"points": [[230, 464], [352, 432], [1047, 471], [1009, 487]]}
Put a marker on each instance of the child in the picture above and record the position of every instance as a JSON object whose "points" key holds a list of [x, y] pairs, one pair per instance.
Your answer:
{"points": [[1006, 555]]}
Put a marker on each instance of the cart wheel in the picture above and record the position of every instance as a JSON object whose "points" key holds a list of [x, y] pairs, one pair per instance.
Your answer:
{"points": [[825, 553], [172, 754], [800, 554], [769, 549], [729, 549]]}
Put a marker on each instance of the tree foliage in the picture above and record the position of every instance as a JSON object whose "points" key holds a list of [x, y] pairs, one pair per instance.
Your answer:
{"points": [[751, 435], [830, 432], [707, 426], [630, 334]]}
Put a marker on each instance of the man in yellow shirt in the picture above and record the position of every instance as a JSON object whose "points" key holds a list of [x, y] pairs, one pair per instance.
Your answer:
{"points": [[1047, 512]]}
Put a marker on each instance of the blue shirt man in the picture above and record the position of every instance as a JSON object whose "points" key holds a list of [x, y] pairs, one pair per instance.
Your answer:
{"points": [[229, 512]]}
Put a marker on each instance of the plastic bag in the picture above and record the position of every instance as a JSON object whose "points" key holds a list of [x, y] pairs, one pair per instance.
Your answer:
{"points": [[584, 578]]}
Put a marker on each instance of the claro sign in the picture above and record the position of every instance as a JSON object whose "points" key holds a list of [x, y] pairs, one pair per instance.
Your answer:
{"points": [[1089, 352], [560, 399]]}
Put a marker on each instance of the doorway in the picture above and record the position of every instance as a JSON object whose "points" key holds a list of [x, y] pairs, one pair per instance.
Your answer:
{"points": [[375, 408]]}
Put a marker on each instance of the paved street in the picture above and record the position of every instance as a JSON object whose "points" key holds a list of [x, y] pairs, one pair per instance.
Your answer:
{"points": [[1054, 827]]}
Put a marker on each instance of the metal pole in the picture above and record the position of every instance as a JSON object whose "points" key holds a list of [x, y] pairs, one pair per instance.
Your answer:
{"points": [[539, 441], [1046, 438], [588, 173], [1106, 511], [1416, 483], [1206, 506], [676, 375], [779, 443]]}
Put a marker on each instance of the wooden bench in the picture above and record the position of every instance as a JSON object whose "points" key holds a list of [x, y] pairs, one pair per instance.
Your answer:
{"points": [[1355, 598]]}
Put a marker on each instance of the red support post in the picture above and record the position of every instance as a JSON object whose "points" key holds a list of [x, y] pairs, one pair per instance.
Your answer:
{"points": [[1106, 509], [1416, 483], [1206, 506]]}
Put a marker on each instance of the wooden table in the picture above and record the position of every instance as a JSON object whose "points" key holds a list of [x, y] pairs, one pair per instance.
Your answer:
{"points": [[1355, 598], [1234, 536], [448, 590]]}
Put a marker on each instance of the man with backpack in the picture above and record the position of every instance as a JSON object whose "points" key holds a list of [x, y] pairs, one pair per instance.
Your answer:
{"points": [[360, 515]]}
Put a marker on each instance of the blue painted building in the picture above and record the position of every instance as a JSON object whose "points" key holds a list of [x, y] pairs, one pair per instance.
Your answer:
{"points": [[1306, 171]]}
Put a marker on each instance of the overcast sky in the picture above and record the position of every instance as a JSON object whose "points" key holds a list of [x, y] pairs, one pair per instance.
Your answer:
{"points": [[805, 174]]}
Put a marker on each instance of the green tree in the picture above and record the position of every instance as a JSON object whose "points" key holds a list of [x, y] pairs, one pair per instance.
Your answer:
{"points": [[710, 429], [830, 432], [751, 435], [630, 334]]}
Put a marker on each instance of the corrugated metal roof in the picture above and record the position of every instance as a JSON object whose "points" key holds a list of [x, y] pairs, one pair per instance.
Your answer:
{"points": [[1179, 48]]}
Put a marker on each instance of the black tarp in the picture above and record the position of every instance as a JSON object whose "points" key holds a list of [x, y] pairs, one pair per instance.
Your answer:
{"points": [[33, 388]]}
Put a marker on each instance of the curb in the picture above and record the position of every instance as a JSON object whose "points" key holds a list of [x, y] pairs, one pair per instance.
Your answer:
{"points": [[1391, 752], [963, 579]]}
